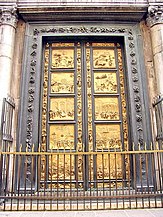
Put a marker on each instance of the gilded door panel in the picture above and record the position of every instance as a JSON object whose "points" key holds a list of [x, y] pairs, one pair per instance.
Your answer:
{"points": [[103, 58], [62, 82], [108, 136], [61, 108], [61, 136], [106, 108], [105, 82], [63, 58]]}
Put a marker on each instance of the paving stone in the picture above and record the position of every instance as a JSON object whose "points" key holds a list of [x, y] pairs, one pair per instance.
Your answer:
{"points": [[156, 212], [10, 214], [60, 214], [86, 214], [111, 213], [32, 214], [138, 213]]}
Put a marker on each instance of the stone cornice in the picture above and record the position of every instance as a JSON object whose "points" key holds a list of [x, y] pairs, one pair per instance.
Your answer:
{"points": [[8, 16], [155, 15], [83, 13]]}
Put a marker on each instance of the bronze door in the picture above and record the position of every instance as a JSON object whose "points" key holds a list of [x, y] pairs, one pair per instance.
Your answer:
{"points": [[83, 111]]}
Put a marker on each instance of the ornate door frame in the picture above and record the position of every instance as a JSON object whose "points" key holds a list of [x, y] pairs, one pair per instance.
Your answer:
{"points": [[32, 75]]}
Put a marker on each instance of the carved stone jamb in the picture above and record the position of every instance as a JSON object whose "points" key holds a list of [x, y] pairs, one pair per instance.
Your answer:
{"points": [[8, 16]]}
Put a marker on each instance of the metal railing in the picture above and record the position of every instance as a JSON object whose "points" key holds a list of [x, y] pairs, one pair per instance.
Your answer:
{"points": [[6, 139], [8, 107], [70, 180], [158, 106]]}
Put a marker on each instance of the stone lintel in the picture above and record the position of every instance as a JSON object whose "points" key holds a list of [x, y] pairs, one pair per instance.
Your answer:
{"points": [[83, 13]]}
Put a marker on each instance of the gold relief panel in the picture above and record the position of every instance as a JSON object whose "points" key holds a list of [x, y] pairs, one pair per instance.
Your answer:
{"points": [[109, 166], [104, 59], [62, 44], [105, 82], [108, 136], [61, 136], [106, 108], [103, 44], [62, 82], [63, 58], [61, 167], [61, 108]]}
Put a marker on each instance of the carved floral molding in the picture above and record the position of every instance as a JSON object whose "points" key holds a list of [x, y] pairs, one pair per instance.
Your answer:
{"points": [[8, 16], [155, 15]]}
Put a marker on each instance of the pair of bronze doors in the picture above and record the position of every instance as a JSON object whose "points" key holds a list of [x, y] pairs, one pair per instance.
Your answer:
{"points": [[83, 111]]}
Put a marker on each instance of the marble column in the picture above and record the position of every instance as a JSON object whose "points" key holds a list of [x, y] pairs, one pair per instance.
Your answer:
{"points": [[8, 22], [155, 22]]}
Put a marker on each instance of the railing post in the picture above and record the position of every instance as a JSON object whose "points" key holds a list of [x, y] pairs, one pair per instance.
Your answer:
{"points": [[158, 106]]}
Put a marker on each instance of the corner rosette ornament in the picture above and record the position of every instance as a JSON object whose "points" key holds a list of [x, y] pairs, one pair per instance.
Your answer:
{"points": [[155, 15], [8, 16]]}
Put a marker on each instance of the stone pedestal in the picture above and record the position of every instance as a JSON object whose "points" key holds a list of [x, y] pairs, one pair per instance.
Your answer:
{"points": [[155, 21], [8, 21]]}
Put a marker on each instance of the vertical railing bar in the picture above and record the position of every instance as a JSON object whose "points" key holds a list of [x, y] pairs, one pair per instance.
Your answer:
{"points": [[90, 181], [135, 179], [129, 177], [32, 175], [123, 171], [51, 177], [141, 178], [97, 182], [2, 167], [86, 177], [153, 175], [1, 175], [13, 179], [25, 179], [109, 179], [116, 190], [45, 177], [159, 172], [5, 179], [103, 179], [70, 178], [147, 176], [57, 180], [77, 181], [7, 186], [19, 170], [39, 171], [64, 169]]}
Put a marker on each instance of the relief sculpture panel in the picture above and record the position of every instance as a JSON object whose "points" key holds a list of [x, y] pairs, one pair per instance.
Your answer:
{"points": [[61, 136], [103, 58], [108, 136], [106, 108], [63, 58], [105, 82], [62, 82], [61, 108]]}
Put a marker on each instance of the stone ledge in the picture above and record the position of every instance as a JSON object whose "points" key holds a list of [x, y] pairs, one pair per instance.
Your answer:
{"points": [[83, 13]]}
